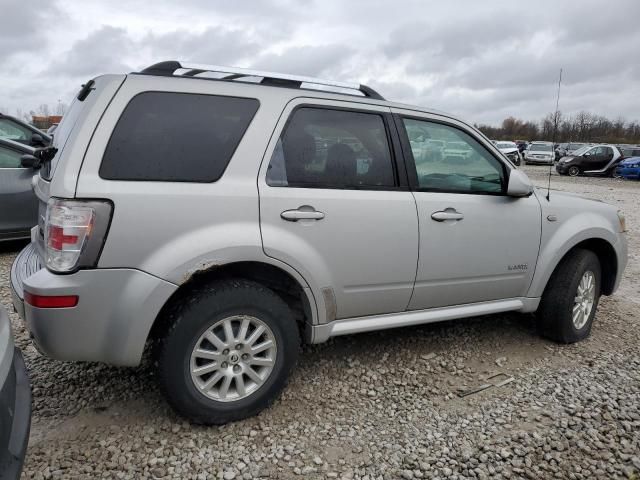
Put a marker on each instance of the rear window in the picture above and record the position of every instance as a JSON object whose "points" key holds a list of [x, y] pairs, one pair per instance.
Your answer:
{"points": [[176, 137]]}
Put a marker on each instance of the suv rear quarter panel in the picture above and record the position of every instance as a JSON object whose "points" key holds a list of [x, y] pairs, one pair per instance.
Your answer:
{"points": [[72, 153], [172, 229]]}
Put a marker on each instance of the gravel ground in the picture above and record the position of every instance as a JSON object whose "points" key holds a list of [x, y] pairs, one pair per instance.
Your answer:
{"points": [[375, 406]]}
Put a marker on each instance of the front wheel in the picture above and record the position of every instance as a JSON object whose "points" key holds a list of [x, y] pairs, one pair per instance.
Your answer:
{"points": [[571, 297], [228, 352], [573, 171]]}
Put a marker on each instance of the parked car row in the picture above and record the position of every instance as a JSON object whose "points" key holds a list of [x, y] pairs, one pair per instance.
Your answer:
{"points": [[579, 158]]}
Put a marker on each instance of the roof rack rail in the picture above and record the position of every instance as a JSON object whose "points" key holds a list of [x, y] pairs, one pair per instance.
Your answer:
{"points": [[173, 68]]}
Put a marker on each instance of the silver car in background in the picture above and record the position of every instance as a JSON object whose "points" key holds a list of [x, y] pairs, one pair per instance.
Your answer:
{"points": [[18, 202], [510, 149], [539, 152]]}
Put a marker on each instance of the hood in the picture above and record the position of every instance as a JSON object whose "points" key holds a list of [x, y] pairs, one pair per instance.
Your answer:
{"points": [[508, 150], [561, 200], [567, 158]]}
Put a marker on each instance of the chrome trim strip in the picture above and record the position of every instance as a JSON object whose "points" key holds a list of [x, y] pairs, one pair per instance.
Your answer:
{"points": [[321, 333]]}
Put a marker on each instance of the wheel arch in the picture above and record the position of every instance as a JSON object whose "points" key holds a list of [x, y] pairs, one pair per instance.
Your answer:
{"points": [[294, 291], [606, 254]]}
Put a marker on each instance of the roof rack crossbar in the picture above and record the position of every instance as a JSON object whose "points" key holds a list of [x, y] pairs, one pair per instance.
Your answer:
{"points": [[173, 68]]}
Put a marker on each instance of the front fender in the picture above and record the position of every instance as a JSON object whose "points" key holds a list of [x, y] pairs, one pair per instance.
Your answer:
{"points": [[559, 237]]}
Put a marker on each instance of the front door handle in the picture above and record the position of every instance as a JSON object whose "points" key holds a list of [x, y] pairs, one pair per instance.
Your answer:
{"points": [[447, 214], [302, 213]]}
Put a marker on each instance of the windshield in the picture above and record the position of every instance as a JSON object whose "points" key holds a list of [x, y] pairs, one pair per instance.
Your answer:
{"points": [[576, 146], [504, 145], [540, 147], [581, 150]]}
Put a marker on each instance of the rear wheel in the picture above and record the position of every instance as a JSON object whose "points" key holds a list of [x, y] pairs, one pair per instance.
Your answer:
{"points": [[571, 297], [573, 171], [228, 352]]}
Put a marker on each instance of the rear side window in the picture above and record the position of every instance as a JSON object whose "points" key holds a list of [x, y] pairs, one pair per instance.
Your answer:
{"points": [[176, 137], [326, 148]]}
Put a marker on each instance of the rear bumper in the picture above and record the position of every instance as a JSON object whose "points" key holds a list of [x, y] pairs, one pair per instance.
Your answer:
{"points": [[110, 323], [15, 418], [540, 161]]}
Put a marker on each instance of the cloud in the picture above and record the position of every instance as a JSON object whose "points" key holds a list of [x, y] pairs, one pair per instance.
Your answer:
{"points": [[482, 61], [24, 27], [100, 52], [313, 61]]}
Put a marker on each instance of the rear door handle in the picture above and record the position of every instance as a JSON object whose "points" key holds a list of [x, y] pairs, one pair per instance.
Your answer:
{"points": [[302, 213], [447, 214]]}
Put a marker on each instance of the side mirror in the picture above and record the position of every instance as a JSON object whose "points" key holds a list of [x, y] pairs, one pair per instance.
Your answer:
{"points": [[519, 184], [37, 140], [29, 161]]}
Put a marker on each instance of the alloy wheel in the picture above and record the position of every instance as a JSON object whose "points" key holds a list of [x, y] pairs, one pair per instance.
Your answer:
{"points": [[233, 358], [584, 299]]}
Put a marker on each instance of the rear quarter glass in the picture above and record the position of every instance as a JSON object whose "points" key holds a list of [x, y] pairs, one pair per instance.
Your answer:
{"points": [[176, 137]]}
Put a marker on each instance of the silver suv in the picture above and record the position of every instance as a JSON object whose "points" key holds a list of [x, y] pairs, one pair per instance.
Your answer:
{"points": [[225, 216]]}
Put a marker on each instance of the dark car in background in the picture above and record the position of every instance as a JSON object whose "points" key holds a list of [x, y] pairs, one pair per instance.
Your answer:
{"points": [[591, 160], [14, 129], [18, 202], [629, 151], [522, 146], [568, 149], [15, 403]]}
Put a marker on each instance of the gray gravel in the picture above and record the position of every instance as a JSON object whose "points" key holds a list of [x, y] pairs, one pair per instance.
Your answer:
{"points": [[375, 406]]}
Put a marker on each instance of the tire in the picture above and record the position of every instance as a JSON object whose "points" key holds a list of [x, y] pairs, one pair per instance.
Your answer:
{"points": [[573, 171], [234, 302], [556, 311]]}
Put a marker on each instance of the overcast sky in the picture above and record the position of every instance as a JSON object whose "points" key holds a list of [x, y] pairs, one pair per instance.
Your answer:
{"points": [[482, 60]]}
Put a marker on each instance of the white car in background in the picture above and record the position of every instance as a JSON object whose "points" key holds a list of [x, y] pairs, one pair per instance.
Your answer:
{"points": [[510, 149], [539, 152]]}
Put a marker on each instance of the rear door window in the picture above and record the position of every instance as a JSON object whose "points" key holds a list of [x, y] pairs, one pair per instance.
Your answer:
{"points": [[327, 148], [176, 137]]}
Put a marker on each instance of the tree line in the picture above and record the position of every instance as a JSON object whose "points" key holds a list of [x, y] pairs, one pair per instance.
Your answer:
{"points": [[43, 110], [580, 127]]}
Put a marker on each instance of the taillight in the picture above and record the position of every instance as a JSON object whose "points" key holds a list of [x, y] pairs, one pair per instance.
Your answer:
{"points": [[74, 232]]}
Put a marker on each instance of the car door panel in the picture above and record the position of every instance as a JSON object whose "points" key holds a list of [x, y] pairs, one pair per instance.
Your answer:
{"points": [[474, 247], [19, 210], [359, 248], [489, 254]]}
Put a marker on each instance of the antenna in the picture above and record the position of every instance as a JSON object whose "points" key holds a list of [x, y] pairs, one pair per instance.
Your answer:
{"points": [[553, 140]]}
